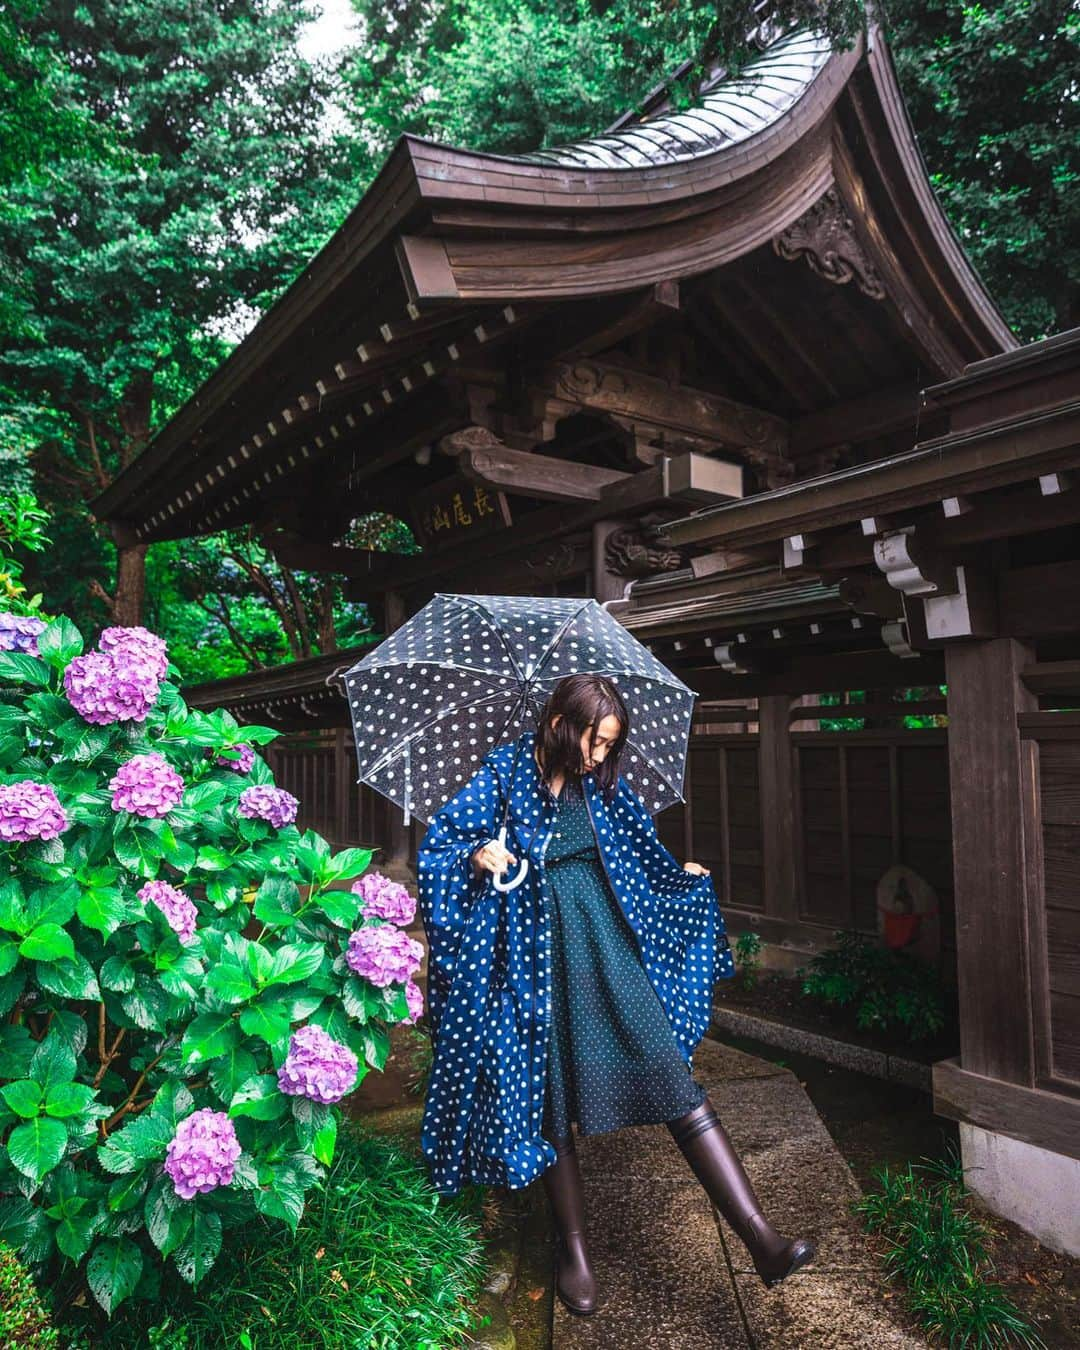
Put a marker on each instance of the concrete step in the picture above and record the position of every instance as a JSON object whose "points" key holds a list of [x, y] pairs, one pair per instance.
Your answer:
{"points": [[672, 1274]]}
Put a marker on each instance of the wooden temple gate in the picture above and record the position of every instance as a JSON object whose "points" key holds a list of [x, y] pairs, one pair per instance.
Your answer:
{"points": [[729, 371]]}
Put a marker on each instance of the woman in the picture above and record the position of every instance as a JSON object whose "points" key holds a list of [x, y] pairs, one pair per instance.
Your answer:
{"points": [[579, 996]]}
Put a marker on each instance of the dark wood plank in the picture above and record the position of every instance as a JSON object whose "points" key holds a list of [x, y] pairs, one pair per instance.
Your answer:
{"points": [[1036, 1115], [777, 813]]}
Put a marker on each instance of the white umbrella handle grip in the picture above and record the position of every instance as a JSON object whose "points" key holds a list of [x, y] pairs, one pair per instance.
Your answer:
{"points": [[515, 881]]}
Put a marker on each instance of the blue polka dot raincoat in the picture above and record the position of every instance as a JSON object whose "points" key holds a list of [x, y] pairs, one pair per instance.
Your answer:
{"points": [[489, 962]]}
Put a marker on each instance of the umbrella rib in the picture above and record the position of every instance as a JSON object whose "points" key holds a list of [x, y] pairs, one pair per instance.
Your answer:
{"points": [[558, 636], [489, 619], [645, 760], [388, 755]]}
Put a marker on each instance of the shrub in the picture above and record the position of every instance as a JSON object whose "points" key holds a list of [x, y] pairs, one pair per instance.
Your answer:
{"points": [[938, 1249], [373, 1263], [747, 951], [888, 990], [24, 1323], [155, 1090]]}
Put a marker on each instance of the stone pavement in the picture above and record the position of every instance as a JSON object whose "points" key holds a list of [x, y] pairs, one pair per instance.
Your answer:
{"points": [[673, 1278]]}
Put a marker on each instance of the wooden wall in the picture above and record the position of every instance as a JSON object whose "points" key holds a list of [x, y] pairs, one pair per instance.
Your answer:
{"points": [[862, 800], [1054, 810]]}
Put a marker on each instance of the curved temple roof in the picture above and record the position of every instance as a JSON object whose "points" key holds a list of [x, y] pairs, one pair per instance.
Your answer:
{"points": [[734, 110]]}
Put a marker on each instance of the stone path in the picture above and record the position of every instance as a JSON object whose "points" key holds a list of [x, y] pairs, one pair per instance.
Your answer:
{"points": [[668, 1281]]}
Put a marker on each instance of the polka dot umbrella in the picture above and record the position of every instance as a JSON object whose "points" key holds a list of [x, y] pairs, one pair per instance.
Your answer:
{"points": [[469, 672]]}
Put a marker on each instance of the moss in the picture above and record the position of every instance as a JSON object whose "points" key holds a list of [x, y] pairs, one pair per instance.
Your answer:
{"points": [[24, 1321]]}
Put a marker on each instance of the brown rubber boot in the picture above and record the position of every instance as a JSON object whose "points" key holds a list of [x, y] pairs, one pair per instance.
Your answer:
{"points": [[575, 1282], [707, 1148]]}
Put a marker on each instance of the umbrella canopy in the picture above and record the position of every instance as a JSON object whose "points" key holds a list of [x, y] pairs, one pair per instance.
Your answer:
{"points": [[469, 672]]}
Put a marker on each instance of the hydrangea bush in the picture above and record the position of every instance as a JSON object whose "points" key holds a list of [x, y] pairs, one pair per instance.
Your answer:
{"points": [[184, 993]]}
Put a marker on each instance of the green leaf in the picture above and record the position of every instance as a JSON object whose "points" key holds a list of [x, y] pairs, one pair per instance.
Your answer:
{"points": [[376, 1045], [17, 1048], [325, 1141], [23, 1097], [295, 962], [210, 1035], [342, 908], [9, 955], [103, 909], [142, 1140], [23, 669], [229, 1073], [207, 797], [69, 979], [48, 942], [201, 1249], [230, 983], [68, 1099], [147, 1005], [37, 1146], [266, 1019], [13, 916], [139, 851], [277, 900], [211, 859], [284, 1198], [75, 1233], [60, 643], [167, 1222], [113, 1271], [53, 1061], [126, 1191], [52, 904], [350, 862], [261, 1098], [118, 974]]}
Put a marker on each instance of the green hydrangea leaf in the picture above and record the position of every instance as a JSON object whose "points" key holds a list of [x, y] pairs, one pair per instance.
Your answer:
{"points": [[113, 1271]]}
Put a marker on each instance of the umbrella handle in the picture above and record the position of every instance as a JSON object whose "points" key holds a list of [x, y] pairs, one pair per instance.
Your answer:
{"points": [[522, 870]]}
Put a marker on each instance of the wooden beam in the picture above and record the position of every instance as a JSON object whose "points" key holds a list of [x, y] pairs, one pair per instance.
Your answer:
{"points": [[856, 419], [1049, 1120], [776, 793], [826, 674], [483, 459], [624, 392]]}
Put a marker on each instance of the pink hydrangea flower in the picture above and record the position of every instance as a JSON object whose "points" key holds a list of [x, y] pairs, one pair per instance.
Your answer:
{"points": [[317, 1066], [263, 802], [383, 954], [138, 647], [414, 997], [103, 690], [202, 1153], [179, 910], [241, 764], [385, 899], [19, 633], [30, 810], [147, 785]]}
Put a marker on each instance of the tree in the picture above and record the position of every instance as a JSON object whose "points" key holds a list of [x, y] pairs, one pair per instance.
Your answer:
{"points": [[992, 92], [135, 264]]}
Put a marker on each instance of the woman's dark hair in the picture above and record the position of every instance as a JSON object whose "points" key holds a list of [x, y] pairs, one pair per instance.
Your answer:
{"points": [[584, 701]]}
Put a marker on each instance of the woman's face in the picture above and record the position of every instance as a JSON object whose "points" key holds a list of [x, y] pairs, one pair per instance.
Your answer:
{"points": [[607, 733]]}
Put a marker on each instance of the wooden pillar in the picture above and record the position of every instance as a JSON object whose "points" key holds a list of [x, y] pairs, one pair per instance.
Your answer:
{"points": [[606, 585], [985, 767], [776, 787]]}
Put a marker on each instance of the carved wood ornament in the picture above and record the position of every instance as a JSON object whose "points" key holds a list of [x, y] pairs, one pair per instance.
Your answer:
{"points": [[825, 236]]}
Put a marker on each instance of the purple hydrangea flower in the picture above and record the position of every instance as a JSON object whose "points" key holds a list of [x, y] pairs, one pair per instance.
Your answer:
{"points": [[29, 810], [383, 954], [414, 997], [136, 647], [178, 909], [147, 785], [317, 1066], [382, 898], [238, 765], [104, 690], [263, 802], [19, 633], [202, 1153]]}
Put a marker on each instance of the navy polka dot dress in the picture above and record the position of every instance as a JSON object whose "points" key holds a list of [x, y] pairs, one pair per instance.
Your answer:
{"points": [[612, 1055]]}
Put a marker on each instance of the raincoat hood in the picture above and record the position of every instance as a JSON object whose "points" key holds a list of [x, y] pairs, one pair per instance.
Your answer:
{"points": [[489, 960]]}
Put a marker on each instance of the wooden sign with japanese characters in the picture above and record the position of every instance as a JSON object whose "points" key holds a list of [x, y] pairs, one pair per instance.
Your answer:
{"points": [[455, 509]]}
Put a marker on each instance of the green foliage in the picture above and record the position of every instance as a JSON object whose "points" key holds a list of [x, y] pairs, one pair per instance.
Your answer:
{"points": [[747, 947], [991, 90], [117, 1029], [373, 1263], [888, 990], [24, 1323], [22, 529], [937, 1249]]}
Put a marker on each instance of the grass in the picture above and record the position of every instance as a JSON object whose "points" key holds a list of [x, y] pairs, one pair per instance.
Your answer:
{"points": [[379, 1262], [938, 1249]]}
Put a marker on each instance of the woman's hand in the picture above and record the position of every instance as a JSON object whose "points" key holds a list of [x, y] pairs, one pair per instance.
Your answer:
{"points": [[493, 857], [697, 869]]}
